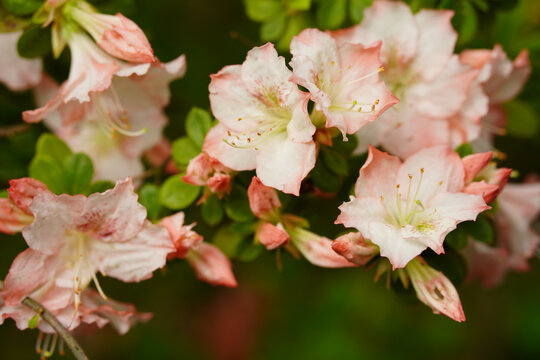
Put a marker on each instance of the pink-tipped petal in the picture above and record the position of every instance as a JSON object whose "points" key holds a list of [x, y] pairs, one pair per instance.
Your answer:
{"points": [[211, 265]]}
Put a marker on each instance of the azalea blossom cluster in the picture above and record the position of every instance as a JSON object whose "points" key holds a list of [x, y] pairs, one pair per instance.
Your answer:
{"points": [[392, 84]]}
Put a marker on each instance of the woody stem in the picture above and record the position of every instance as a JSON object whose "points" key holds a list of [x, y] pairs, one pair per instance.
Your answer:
{"points": [[73, 345]]}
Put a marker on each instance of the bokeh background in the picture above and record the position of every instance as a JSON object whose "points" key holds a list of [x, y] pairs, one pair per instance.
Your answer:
{"points": [[300, 312]]}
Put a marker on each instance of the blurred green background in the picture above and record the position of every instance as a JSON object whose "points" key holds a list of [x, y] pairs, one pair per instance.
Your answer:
{"points": [[301, 312]]}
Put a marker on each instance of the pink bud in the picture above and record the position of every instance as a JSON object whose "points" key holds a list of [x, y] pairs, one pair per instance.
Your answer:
{"points": [[181, 235], [22, 192], [435, 290], [263, 200], [219, 183], [211, 265], [198, 170], [12, 219], [355, 248], [272, 236]]}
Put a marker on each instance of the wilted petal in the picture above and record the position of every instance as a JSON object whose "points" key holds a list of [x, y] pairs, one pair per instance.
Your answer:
{"points": [[181, 235]]}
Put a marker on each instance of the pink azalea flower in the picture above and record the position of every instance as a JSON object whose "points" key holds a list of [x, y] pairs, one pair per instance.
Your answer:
{"points": [[439, 104], [435, 290], [15, 211], [355, 248], [501, 80], [117, 35], [263, 121], [209, 263], [342, 79], [17, 73], [407, 207], [92, 310], [490, 180], [120, 123], [74, 237], [205, 170]]}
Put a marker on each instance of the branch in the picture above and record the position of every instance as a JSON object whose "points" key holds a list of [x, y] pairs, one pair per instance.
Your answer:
{"points": [[55, 324]]}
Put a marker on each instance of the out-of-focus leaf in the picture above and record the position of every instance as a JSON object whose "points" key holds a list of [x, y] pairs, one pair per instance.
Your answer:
{"points": [[468, 22], [227, 240], [323, 178], [345, 147], [263, 10], [50, 145], [198, 122], [334, 161], [183, 150], [237, 205], [331, 13], [212, 210], [464, 150], [250, 252], [22, 7], [296, 24], [149, 198], [47, 170], [176, 194], [273, 29], [457, 239], [114, 6], [356, 9], [522, 119], [35, 42], [301, 5], [452, 264], [78, 173], [10, 22], [100, 186], [481, 229]]}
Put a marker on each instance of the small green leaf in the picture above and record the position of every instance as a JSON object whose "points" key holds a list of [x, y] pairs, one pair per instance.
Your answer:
{"points": [[227, 240], [33, 322], [334, 161], [183, 150], [35, 42], [464, 150], [356, 9], [467, 22], [198, 122], [481, 229], [331, 13], [296, 24], [149, 198], [457, 239], [263, 10], [245, 228], [99, 187], [523, 122], [78, 173], [22, 7], [249, 252], [273, 29], [212, 210], [176, 194], [300, 5], [345, 147], [237, 205], [45, 169], [324, 179], [51, 146]]}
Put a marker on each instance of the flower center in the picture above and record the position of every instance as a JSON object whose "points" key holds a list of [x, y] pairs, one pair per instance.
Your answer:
{"points": [[111, 116], [409, 210]]}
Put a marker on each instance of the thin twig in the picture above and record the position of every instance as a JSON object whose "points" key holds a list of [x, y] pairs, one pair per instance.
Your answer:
{"points": [[12, 130], [55, 324]]}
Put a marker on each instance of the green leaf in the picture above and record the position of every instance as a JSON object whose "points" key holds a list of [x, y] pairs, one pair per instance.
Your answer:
{"points": [[464, 150], [35, 42], [4, 194], [522, 120], [324, 179], [212, 210], [250, 252], [237, 205], [183, 150], [263, 10], [457, 239], [100, 186], [227, 240], [345, 147], [78, 173], [334, 161], [198, 122], [245, 228], [45, 169], [300, 5], [331, 13], [33, 322], [22, 7], [468, 22], [273, 29], [452, 264], [356, 9], [56, 149], [481, 229], [296, 24], [176, 194], [149, 198]]}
